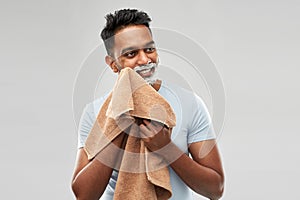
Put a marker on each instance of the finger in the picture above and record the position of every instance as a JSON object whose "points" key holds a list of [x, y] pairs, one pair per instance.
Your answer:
{"points": [[166, 131], [150, 126], [147, 122], [154, 125], [145, 132], [158, 124]]}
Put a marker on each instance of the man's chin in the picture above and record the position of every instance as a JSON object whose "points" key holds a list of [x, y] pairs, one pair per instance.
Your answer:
{"points": [[151, 80]]}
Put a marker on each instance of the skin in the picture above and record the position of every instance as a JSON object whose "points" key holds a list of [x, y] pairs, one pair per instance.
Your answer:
{"points": [[203, 173]]}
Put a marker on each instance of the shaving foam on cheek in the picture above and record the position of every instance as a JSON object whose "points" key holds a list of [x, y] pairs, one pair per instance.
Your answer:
{"points": [[151, 66], [145, 67]]}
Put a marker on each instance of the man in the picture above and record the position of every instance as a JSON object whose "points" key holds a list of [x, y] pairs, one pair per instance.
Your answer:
{"points": [[128, 41]]}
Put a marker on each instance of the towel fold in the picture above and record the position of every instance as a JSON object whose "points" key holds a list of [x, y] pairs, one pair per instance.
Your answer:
{"points": [[142, 174]]}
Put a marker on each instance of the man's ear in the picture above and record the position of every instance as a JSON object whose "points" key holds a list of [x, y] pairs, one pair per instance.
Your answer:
{"points": [[112, 63]]}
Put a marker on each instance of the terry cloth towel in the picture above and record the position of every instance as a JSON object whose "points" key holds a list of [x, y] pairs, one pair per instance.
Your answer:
{"points": [[142, 174]]}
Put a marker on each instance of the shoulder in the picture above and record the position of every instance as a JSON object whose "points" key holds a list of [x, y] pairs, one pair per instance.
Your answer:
{"points": [[94, 106], [88, 118]]}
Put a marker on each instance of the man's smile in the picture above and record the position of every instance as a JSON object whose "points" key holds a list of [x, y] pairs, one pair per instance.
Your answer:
{"points": [[146, 72]]}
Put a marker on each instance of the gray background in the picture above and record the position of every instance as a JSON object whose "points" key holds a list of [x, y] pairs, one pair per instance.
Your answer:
{"points": [[254, 44]]}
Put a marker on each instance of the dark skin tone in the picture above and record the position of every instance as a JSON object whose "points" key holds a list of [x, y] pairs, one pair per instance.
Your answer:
{"points": [[207, 169], [91, 176], [203, 173]]}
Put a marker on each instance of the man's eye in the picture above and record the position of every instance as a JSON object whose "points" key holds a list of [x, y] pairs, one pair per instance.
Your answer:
{"points": [[130, 54], [150, 49]]}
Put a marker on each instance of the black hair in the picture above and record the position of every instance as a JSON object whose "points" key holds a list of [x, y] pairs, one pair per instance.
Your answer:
{"points": [[119, 20]]}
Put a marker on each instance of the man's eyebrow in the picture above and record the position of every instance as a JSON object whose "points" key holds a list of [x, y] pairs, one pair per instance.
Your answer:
{"points": [[135, 48], [127, 49], [149, 43]]}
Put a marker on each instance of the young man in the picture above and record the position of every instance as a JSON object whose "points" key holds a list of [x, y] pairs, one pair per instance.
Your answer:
{"points": [[129, 43]]}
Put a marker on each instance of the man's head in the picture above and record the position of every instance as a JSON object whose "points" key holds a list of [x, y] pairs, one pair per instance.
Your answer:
{"points": [[120, 20], [128, 41]]}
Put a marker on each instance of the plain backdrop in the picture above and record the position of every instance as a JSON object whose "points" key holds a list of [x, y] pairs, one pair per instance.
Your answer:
{"points": [[254, 44]]}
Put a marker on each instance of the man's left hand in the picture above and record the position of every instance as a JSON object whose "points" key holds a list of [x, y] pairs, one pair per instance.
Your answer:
{"points": [[155, 135]]}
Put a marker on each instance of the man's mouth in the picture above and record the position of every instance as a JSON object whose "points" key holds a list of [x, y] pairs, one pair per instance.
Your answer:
{"points": [[146, 72]]}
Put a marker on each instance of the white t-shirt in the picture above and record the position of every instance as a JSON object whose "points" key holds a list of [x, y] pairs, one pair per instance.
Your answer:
{"points": [[193, 124]]}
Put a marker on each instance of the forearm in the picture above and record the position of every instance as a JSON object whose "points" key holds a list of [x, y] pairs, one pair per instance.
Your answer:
{"points": [[91, 181], [201, 179]]}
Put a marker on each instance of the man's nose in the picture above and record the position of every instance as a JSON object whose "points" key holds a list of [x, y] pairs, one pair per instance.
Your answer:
{"points": [[143, 58]]}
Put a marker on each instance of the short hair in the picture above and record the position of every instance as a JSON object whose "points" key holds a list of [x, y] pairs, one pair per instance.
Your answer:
{"points": [[119, 20]]}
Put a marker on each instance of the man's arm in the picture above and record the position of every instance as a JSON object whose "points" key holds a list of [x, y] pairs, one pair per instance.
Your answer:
{"points": [[203, 173], [91, 177]]}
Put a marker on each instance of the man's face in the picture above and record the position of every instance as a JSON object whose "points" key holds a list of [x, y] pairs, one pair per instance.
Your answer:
{"points": [[133, 47]]}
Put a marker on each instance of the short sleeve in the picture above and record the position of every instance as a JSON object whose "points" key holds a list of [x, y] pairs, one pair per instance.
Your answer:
{"points": [[200, 127], [88, 118], [85, 124]]}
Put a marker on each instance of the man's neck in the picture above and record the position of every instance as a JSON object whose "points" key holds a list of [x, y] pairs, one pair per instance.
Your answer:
{"points": [[156, 85]]}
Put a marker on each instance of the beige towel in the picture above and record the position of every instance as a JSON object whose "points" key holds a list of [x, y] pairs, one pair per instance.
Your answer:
{"points": [[140, 175]]}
